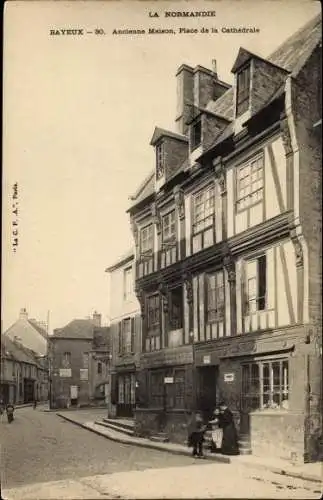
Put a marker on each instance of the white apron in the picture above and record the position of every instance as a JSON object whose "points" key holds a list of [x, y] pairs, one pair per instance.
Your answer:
{"points": [[217, 437]]}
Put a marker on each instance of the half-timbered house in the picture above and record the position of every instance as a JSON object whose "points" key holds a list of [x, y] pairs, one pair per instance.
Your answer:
{"points": [[227, 234]]}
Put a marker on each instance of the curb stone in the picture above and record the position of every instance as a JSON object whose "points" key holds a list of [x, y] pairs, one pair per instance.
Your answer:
{"points": [[152, 445], [219, 459]]}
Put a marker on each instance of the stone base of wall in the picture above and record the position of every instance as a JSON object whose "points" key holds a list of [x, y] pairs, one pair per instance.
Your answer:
{"points": [[278, 434], [149, 422]]}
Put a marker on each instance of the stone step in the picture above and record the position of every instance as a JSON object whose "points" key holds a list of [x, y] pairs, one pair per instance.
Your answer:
{"points": [[123, 424], [122, 430], [159, 438]]}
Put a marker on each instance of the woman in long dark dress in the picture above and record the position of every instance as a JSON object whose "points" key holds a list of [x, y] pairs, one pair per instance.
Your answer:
{"points": [[229, 444]]}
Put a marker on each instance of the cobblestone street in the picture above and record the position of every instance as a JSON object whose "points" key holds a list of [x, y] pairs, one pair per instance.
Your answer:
{"points": [[40, 447]]}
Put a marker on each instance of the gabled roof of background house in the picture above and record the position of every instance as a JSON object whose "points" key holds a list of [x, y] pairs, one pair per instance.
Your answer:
{"points": [[76, 329], [17, 351], [126, 257], [291, 56], [38, 327]]}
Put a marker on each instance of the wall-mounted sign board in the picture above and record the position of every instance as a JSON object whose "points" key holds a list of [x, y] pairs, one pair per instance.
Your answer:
{"points": [[84, 374], [168, 380], [65, 372], [228, 377], [206, 360]]}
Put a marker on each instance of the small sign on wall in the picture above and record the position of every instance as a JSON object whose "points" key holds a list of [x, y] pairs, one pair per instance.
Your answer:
{"points": [[168, 380], [206, 360], [84, 374], [228, 377], [65, 372]]}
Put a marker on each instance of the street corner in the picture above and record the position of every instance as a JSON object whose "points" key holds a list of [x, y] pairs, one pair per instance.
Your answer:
{"points": [[55, 490]]}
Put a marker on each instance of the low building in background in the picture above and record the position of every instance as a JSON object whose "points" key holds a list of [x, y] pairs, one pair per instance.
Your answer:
{"points": [[24, 374], [125, 330], [76, 373], [31, 333]]}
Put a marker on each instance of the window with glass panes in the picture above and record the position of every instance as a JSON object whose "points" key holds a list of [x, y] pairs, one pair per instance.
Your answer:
{"points": [[127, 336], [214, 297], [66, 361], [243, 90], [146, 239], [127, 283], [203, 210], [156, 388], [159, 160], [256, 274], [176, 308], [250, 182], [265, 384], [153, 314], [169, 226], [179, 389]]}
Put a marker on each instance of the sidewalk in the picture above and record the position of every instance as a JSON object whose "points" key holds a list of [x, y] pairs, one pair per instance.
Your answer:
{"points": [[309, 472], [194, 481]]}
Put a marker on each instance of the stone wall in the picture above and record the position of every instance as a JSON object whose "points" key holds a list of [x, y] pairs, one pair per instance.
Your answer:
{"points": [[278, 434], [149, 421]]}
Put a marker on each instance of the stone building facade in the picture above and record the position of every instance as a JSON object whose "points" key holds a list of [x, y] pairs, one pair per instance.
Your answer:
{"points": [[228, 250], [79, 363], [125, 330]]}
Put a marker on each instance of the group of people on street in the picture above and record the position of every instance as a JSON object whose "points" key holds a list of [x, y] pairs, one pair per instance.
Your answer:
{"points": [[224, 438]]}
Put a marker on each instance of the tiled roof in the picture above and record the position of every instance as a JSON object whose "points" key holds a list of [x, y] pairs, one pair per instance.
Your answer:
{"points": [[38, 327], [17, 351], [76, 329], [291, 55]]}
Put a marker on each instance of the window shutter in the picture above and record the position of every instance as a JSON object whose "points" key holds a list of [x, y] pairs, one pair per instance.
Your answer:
{"points": [[133, 323], [120, 338], [244, 297]]}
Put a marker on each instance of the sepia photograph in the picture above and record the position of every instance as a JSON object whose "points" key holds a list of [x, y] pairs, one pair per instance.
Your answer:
{"points": [[161, 315]]}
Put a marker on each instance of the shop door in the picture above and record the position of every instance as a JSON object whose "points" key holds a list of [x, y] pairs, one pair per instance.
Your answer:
{"points": [[207, 384], [126, 396]]}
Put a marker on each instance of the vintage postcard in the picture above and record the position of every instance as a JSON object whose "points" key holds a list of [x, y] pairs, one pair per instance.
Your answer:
{"points": [[161, 332]]}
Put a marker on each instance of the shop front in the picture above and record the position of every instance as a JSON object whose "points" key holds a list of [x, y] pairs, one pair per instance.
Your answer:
{"points": [[165, 393], [125, 391], [261, 379]]}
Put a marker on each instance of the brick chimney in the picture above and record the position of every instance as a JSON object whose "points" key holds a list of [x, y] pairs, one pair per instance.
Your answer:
{"points": [[196, 87], [185, 84], [23, 313], [97, 318]]}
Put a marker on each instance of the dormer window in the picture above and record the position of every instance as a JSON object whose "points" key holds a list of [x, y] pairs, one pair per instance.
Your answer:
{"points": [[196, 136], [160, 160], [243, 90]]}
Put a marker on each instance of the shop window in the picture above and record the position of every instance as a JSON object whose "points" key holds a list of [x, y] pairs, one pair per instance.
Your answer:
{"points": [[250, 182], [203, 210], [265, 385], [153, 314], [121, 390], [214, 297], [256, 284], [243, 90], [176, 308], [169, 227]]}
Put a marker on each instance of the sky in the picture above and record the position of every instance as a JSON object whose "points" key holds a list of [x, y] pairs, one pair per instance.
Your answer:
{"points": [[79, 113]]}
